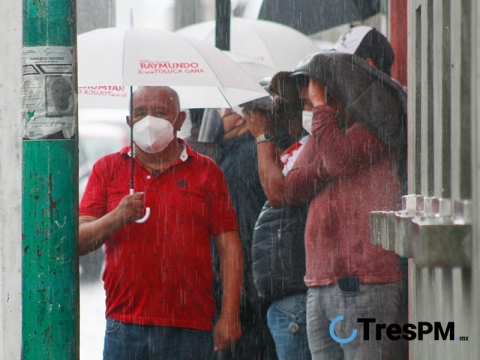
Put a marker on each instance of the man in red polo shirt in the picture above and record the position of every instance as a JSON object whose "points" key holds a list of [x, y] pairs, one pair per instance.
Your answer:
{"points": [[158, 274]]}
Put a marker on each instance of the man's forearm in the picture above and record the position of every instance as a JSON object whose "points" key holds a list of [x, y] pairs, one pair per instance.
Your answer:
{"points": [[270, 171], [93, 232], [231, 266]]}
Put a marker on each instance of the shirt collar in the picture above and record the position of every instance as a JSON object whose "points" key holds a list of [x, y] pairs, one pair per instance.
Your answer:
{"points": [[186, 152]]}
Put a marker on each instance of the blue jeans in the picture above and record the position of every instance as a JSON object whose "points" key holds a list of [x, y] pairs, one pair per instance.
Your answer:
{"points": [[287, 321], [125, 341], [325, 303]]}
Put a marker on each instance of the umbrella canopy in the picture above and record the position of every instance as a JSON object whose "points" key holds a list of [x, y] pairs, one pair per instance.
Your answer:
{"points": [[312, 16], [103, 97], [202, 75], [275, 45], [372, 97], [256, 69]]}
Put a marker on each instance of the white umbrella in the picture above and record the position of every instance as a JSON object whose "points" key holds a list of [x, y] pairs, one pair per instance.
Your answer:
{"points": [[202, 75], [256, 69], [103, 97], [273, 44]]}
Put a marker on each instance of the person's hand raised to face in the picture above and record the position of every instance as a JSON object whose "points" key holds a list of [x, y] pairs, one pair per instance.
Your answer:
{"points": [[317, 93], [259, 123]]}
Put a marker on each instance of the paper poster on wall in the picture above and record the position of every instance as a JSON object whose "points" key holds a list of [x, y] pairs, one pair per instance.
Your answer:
{"points": [[48, 89]]}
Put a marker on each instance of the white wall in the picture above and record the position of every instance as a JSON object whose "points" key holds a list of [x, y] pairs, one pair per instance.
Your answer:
{"points": [[10, 179]]}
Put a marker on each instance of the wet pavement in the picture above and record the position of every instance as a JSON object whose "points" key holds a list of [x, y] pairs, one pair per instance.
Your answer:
{"points": [[92, 320]]}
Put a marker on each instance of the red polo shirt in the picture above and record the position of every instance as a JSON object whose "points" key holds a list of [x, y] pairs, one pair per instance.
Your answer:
{"points": [[160, 272]]}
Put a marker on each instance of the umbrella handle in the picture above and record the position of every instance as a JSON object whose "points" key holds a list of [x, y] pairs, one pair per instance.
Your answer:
{"points": [[147, 212]]}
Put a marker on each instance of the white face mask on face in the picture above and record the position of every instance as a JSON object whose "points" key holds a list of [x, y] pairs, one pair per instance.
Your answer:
{"points": [[153, 134], [307, 121]]}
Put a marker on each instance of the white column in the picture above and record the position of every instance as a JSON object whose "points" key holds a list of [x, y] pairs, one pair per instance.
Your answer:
{"points": [[10, 179]]}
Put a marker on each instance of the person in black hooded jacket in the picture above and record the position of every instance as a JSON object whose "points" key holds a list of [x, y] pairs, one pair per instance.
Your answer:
{"points": [[278, 251], [237, 161]]}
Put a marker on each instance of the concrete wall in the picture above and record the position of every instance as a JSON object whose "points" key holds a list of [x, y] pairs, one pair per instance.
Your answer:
{"points": [[439, 226], [10, 179], [475, 318], [443, 170]]}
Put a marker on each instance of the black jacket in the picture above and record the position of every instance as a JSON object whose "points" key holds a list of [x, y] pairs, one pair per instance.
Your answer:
{"points": [[239, 164], [278, 252]]}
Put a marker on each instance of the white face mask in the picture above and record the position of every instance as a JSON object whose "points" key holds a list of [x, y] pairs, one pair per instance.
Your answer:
{"points": [[307, 121], [153, 134]]}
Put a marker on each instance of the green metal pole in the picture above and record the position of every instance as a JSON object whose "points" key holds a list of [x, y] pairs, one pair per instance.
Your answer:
{"points": [[50, 292]]}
